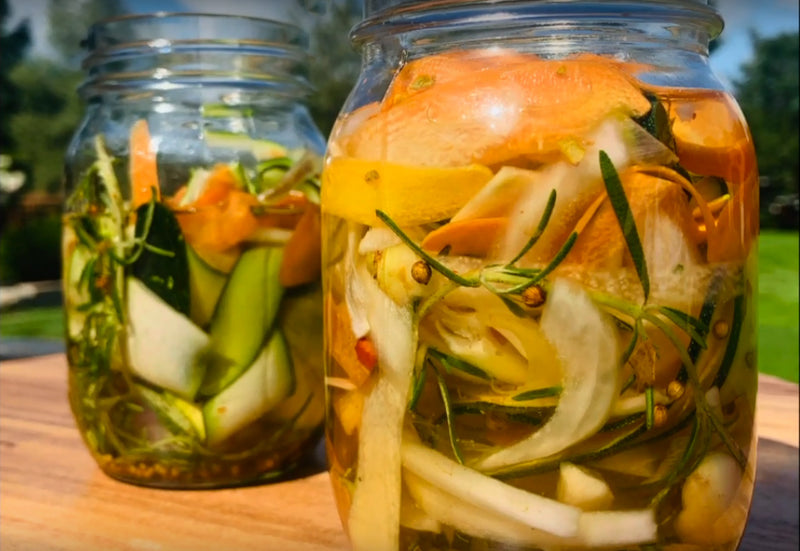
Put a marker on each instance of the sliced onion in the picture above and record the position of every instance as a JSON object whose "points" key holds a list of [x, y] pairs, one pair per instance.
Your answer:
{"points": [[471, 519], [489, 493], [586, 343], [374, 521]]}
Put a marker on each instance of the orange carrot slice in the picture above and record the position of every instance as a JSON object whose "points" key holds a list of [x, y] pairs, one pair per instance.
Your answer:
{"points": [[302, 255], [601, 244], [424, 73], [219, 184], [429, 72], [142, 165], [220, 226], [475, 237], [223, 216], [737, 225], [711, 136], [499, 113], [285, 212], [590, 212]]}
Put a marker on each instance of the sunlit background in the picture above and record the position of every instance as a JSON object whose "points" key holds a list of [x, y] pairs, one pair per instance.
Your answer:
{"points": [[765, 17], [756, 58]]}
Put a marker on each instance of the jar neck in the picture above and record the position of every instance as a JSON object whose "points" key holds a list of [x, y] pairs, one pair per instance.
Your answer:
{"points": [[548, 28], [162, 55]]}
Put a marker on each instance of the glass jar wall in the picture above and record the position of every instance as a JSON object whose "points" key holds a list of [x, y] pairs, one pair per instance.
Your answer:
{"points": [[539, 228], [191, 252]]}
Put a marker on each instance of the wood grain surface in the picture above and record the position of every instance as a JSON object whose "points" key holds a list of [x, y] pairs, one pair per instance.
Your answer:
{"points": [[53, 497]]}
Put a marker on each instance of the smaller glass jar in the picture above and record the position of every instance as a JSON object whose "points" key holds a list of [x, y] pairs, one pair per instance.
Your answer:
{"points": [[191, 251]]}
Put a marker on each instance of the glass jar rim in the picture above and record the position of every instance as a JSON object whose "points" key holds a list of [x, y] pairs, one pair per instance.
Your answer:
{"points": [[376, 7], [106, 35], [169, 50], [390, 16]]}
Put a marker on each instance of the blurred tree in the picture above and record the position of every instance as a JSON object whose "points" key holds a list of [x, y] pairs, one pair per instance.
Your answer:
{"points": [[769, 96], [70, 20], [49, 113], [13, 45], [717, 42], [335, 63], [49, 110]]}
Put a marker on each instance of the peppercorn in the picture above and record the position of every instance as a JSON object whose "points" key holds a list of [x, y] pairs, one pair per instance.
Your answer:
{"points": [[421, 272], [534, 296], [675, 390]]}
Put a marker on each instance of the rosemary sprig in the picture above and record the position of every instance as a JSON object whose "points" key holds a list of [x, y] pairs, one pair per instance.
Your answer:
{"points": [[733, 447], [448, 412], [543, 221], [700, 399], [432, 261], [619, 444], [621, 423], [522, 414], [692, 326], [538, 393], [105, 168], [501, 280], [632, 379], [420, 376], [619, 202], [552, 265], [733, 341], [517, 271], [139, 244], [451, 363], [628, 352], [706, 313], [649, 407], [673, 338], [416, 389]]}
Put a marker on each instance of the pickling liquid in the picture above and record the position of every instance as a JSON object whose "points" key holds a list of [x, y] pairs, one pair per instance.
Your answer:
{"points": [[194, 352], [557, 307]]}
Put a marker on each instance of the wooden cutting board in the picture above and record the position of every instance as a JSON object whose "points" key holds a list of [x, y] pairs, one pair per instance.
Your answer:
{"points": [[53, 497]]}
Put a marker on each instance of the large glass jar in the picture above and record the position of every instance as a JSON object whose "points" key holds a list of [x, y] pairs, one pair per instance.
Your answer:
{"points": [[191, 251], [539, 273]]}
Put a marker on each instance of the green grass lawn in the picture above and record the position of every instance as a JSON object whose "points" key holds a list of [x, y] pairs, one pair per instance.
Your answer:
{"points": [[777, 308], [44, 322]]}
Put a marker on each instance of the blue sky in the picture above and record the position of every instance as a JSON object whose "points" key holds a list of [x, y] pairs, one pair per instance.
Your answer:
{"points": [[766, 17]]}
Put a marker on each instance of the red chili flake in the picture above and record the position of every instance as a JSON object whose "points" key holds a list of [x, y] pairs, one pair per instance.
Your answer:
{"points": [[366, 353]]}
